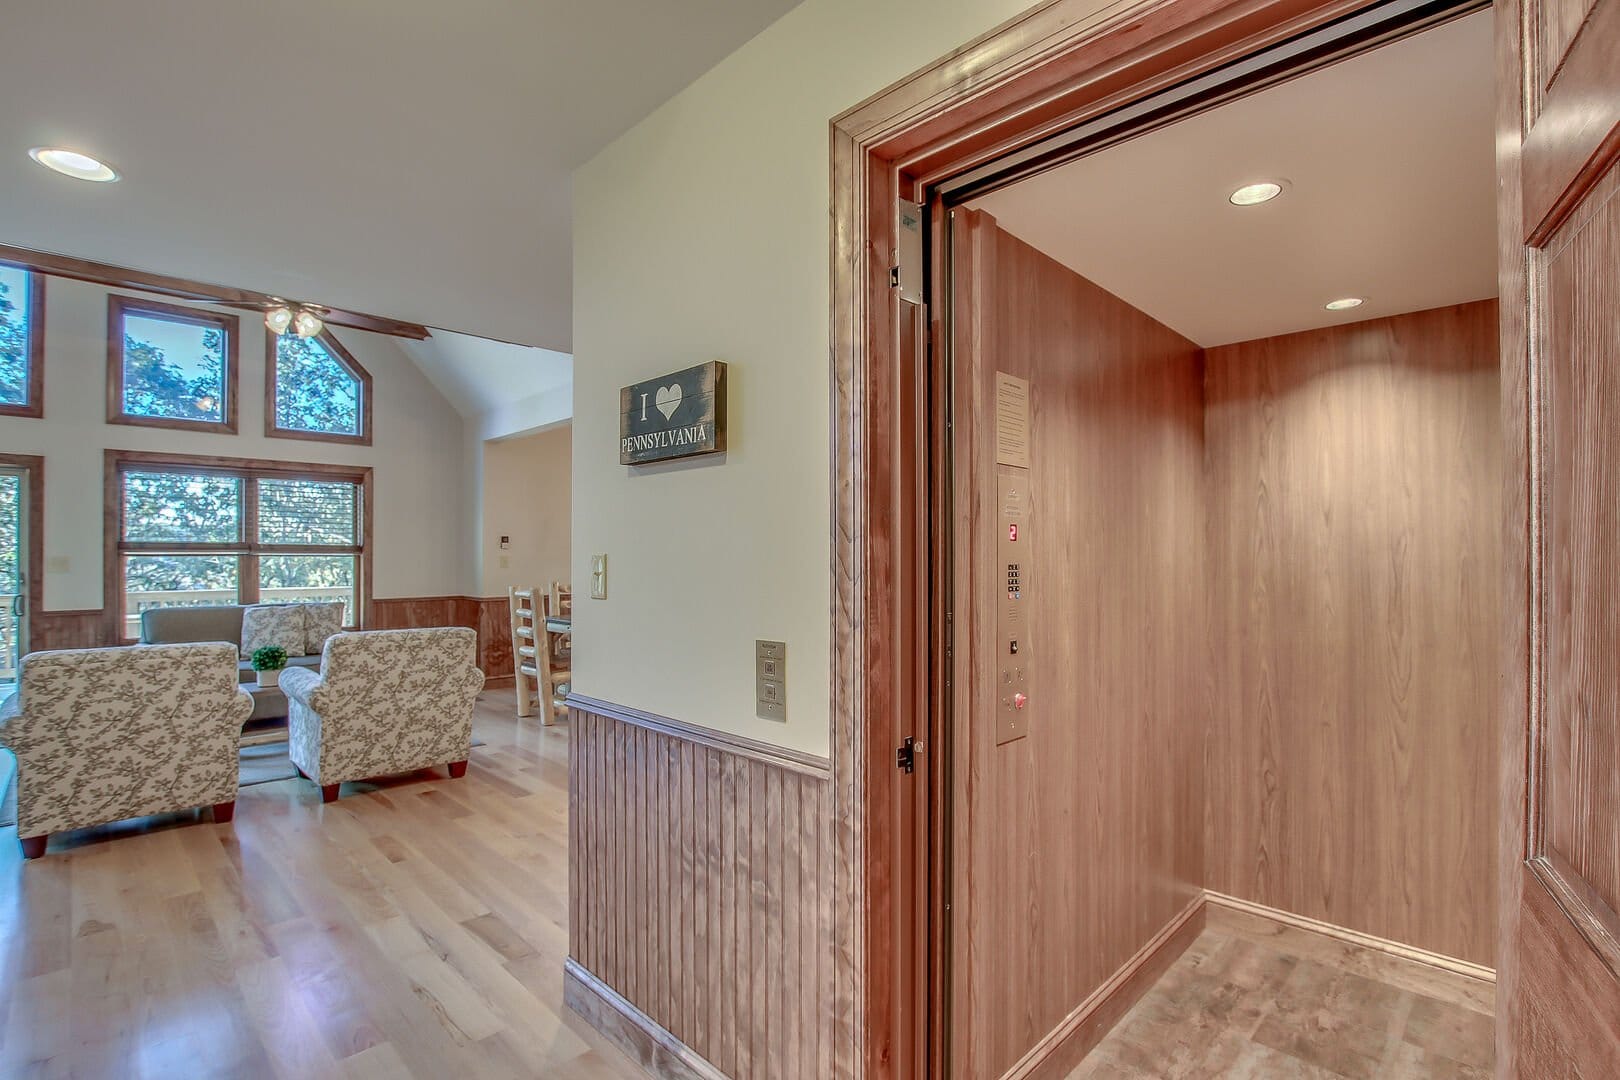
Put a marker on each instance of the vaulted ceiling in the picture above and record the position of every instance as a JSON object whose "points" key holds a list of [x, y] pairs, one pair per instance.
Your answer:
{"points": [[401, 157]]}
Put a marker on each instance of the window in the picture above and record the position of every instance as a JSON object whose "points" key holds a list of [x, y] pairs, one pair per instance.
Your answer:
{"points": [[195, 531], [170, 366], [22, 341], [315, 390]]}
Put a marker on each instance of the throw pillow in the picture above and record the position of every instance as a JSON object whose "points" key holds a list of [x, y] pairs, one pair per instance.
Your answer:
{"points": [[273, 624], [321, 621]]}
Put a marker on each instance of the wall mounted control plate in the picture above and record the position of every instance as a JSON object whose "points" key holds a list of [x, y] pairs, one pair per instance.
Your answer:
{"points": [[1013, 706], [770, 680], [598, 577]]}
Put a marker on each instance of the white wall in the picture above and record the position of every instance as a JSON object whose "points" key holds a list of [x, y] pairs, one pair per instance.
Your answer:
{"points": [[526, 483], [420, 461], [702, 234]]}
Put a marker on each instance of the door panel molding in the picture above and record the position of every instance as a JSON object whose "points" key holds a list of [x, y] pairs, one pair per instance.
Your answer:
{"points": [[1558, 140]]}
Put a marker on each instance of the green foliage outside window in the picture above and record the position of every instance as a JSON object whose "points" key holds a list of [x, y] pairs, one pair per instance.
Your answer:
{"points": [[314, 391], [156, 386], [13, 337]]}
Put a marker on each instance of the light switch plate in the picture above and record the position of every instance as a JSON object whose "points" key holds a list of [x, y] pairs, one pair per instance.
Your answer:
{"points": [[598, 577]]}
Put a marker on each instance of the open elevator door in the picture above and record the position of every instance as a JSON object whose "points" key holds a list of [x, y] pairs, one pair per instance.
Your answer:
{"points": [[994, 675], [1558, 991]]}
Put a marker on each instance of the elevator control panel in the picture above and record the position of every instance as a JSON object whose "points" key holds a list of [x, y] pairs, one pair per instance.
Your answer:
{"points": [[1013, 538]]}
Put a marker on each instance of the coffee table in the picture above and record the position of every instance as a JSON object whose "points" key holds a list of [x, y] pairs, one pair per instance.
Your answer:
{"points": [[266, 729]]}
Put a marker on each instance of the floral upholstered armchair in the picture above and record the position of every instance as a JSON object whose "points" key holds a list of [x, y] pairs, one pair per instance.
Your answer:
{"points": [[106, 734], [384, 701]]}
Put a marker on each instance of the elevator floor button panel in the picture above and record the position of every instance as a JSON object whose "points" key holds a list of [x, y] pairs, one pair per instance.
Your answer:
{"points": [[1015, 534]]}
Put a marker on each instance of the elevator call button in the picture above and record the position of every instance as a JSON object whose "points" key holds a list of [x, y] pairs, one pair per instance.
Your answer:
{"points": [[1013, 697]]}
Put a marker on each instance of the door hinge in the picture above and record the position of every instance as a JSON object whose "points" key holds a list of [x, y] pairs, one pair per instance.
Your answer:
{"points": [[905, 757]]}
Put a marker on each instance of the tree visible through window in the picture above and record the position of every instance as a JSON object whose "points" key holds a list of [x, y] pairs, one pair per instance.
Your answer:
{"points": [[319, 388], [173, 370], [173, 364], [16, 330], [184, 539]]}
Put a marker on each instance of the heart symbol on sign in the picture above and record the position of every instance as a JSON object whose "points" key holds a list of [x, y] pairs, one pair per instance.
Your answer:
{"points": [[668, 399]]}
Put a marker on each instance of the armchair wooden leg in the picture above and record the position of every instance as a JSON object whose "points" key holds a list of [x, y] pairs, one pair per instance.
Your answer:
{"points": [[224, 811], [458, 769], [329, 793], [34, 846]]}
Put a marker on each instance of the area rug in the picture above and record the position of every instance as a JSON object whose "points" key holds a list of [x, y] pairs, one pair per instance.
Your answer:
{"points": [[268, 762], [263, 764]]}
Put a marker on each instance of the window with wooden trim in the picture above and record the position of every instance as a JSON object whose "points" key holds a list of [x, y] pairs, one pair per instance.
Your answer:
{"points": [[170, 366], [22, 341], [194, 531], [314, 389]]}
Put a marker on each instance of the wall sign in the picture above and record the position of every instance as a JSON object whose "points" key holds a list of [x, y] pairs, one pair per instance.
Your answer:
{"points": [[676, 416]]}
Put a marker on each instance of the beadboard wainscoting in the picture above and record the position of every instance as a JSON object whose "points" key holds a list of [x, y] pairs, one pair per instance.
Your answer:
{"points": [[489, 615], [87, 629], [702, 897]]}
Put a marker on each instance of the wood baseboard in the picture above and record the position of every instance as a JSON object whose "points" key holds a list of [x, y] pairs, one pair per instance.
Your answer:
{"points": [[1065, 1045], [1395, 949], [631, 1030], [499, 682]]}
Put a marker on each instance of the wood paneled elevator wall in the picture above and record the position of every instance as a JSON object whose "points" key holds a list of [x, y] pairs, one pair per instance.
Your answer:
{"points": [[1078, 844], [1262, 600], [1354, 553]]}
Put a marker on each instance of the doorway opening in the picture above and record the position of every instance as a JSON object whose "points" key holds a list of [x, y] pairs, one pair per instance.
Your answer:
{"points": [[1213, 477], [21, 559]]}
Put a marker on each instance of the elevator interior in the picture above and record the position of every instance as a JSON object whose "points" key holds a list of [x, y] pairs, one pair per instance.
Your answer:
{"points": [[1226, 469]]}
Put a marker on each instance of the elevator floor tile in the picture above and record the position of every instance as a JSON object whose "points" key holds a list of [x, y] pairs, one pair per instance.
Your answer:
{"points": [[1291, 1004]]}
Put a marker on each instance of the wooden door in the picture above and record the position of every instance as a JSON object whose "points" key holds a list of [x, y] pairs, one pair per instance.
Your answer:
{"points": [[1559, 141]]}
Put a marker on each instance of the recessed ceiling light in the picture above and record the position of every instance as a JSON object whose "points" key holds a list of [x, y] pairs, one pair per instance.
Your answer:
{"points": [[74, 164], [1346, 303], [1255, 194]]}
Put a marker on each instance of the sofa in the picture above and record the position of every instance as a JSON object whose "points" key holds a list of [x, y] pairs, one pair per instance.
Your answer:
{"points": [[222, 622], [383, 701], [106, 734]]}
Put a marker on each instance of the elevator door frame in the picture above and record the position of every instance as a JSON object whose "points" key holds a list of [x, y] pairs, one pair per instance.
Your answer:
{"points": [[991, 113]]}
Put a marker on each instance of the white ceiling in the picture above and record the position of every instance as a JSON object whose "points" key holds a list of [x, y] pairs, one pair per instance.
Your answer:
{"points": [[502, 389], [1390, 164], [405, 158]]}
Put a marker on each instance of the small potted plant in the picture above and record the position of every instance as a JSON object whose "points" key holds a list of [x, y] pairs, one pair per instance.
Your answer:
{"points": [[268, 662]]}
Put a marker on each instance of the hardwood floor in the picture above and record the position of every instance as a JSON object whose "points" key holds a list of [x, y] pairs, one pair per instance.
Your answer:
{"points": [[418, 929], [414, 929], [1252, 999]]}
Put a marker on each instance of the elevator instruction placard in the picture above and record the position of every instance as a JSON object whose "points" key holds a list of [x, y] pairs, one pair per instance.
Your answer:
{"points": [[1012, 420]]}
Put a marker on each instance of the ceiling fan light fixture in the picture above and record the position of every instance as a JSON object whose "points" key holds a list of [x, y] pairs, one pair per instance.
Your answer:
{"points": [[72, 163], [306, 324], [1262, 191], [278, 319]]}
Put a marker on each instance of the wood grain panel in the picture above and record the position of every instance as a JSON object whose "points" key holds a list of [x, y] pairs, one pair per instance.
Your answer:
{"points": [[1354, 543], [698, 873], [1080, 843], [84, 629], [487, 615], [1581, 781]]}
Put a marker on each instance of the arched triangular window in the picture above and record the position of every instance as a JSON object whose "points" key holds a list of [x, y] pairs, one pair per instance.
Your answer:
{"points": [[316, 390]]}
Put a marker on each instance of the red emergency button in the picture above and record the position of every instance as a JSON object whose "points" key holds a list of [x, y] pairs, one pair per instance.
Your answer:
{"points": [[1019, 701]]}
